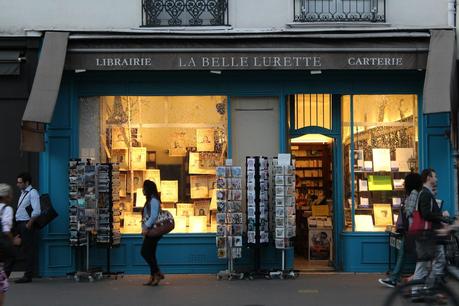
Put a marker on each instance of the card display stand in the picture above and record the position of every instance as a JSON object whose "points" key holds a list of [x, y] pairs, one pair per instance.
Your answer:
{"points": [[284, 211], [229, 218], [257, 200], [108, 210], [82, 213]]}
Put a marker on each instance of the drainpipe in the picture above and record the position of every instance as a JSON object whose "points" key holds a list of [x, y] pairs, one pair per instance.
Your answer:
{"points": [[452, 13]]}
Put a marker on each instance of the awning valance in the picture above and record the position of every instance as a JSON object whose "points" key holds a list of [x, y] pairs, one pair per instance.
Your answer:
{"points": [[440, 80], [45, 89]]}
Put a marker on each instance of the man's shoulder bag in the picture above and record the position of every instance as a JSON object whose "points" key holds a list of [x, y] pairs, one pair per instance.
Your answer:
{"points": [[163, 225], [47, 212]]}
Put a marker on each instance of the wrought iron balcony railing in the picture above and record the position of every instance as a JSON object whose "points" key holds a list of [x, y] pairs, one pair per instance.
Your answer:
{"points": [[166, 13], [339, 10]]}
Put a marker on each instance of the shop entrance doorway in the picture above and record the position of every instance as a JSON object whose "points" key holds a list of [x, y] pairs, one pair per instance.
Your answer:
{"points": [[314, 202]]}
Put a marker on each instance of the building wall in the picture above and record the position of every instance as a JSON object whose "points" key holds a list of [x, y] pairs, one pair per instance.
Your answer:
{"points": [[14, 92], [18, 16]]}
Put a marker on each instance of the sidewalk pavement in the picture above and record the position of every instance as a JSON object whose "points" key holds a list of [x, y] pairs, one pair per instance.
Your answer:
{"points": [[311, 289]]}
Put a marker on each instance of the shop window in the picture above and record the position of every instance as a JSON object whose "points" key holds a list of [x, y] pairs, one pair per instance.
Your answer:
{"points": [[312, 110], [380, 148], [175, 141]]}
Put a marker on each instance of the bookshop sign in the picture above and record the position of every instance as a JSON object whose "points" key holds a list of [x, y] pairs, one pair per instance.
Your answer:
{"points": [[247, 61]]}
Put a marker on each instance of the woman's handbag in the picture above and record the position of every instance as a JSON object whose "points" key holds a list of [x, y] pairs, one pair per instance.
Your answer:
{"points": [[163, 225]]}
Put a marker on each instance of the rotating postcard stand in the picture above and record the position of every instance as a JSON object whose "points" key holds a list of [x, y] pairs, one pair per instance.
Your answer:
{"points": [[108, 211], [229, 218], [82, 217], [284, 210], [257, 178]]}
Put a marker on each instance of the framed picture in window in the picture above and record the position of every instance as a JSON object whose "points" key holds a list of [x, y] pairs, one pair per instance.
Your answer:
{"points": [[383, 214], [120, 157], [120, 138], [138, 158], [205, 141]]}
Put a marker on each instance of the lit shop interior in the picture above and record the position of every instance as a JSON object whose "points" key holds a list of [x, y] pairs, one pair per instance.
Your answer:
{"points": [[175, 141], [380, 133]]}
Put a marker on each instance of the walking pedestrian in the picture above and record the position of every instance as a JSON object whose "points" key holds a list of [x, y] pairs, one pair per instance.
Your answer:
{"points": [[431, 213], [6, 217], [413, 185], [149, 215]]}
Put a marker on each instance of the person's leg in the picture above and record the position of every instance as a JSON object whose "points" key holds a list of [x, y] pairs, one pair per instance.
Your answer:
{"points": [[396, 272], [154, 245], [439, 262], [146, 252], [421, 271], [28, 242]]}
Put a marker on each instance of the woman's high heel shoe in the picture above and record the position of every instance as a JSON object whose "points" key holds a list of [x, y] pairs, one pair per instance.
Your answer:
{"points": [[156, 279], [150, 281]]}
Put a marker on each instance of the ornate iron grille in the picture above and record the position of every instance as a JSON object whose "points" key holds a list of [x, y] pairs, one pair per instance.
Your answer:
{"points": [[339, 10], [166, 13]]}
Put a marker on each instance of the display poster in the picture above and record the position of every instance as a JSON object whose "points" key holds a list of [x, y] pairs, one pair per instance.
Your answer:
{"points": [[185, 209], [364, 223], [381, 160], [198, 224], [205, 141], [205, 166], [199, 187], [119, 138], [379, 182], [137, 180], [138, 158], [382, 214], [140, 199], [155, 176], [402, 156], [201, 208], [169, 191], [178, 145], [132, 223], [120, 157], [320, 244]]}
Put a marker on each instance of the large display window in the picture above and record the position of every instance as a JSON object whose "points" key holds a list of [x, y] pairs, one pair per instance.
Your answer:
{"points": [[380, 140], [175, 141]]}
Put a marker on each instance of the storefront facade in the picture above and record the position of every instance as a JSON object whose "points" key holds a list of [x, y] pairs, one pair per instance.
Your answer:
{"points": [[256, 77]]}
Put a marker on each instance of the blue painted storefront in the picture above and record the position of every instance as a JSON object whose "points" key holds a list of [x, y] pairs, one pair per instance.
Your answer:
{"points": [[196, 253]]}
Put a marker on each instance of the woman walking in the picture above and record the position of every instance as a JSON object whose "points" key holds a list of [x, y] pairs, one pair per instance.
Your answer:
{"points": [[413, 185], [6, 217], [149, 215]]}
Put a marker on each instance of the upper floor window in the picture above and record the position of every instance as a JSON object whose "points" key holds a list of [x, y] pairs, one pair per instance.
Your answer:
{"points": [[339, 10], [164, 13]]}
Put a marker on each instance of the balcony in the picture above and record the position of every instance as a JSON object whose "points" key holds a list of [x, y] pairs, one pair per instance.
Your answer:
{"points": [[339, 10], [187, 13]]}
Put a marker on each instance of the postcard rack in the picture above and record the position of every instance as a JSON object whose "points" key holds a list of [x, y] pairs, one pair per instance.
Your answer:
{"points": [[108, 210], [82, 207], [257, 178], [229, 218], [284, 210]]}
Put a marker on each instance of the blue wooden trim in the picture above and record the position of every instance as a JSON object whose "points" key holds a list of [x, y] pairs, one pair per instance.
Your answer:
{"points": [[232, 84], [311, 130], [229, 136], [351, 166], [282, 125]]}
